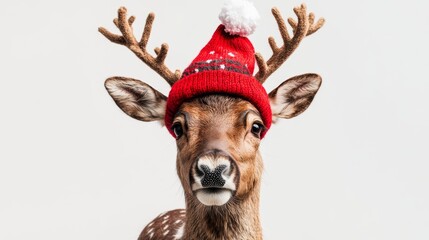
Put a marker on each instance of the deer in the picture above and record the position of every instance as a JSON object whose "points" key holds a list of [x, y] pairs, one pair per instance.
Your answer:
{"points": [[217, 134]]}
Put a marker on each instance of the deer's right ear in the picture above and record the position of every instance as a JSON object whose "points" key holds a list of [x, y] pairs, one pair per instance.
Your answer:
{"points": [[137, 99], [294, 95]]}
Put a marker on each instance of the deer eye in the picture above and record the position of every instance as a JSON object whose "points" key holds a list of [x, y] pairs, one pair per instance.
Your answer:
{"points": [[178, 130], [257, 128]]}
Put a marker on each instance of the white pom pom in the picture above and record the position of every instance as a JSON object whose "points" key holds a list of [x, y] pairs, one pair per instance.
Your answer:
{"points": [[239, 17]]}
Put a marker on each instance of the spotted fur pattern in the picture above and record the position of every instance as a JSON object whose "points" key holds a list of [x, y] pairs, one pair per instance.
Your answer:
{"points": [[167, 226]]}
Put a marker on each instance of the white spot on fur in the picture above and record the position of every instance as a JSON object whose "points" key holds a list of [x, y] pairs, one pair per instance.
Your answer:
{"points": [[179, 233], [150, 236], [177, 221], [197, 70], [150, 230], [231, 54], [165, 227], [222, 66], [209, 61], [166, 232], [212, 52]]}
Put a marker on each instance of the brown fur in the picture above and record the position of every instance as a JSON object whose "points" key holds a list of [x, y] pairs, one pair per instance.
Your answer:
{"points": [[214, 121], [217, 122]]}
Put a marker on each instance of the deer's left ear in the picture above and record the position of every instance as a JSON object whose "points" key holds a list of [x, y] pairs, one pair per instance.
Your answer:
{"points": [[294, 95]]}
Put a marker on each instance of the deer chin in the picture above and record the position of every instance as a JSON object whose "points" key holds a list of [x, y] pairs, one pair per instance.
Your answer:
{"points": [[213, 196]]}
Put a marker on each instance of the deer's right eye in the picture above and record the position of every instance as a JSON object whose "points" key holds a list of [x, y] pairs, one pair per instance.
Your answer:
{"points": [[257, 129], [178, 130]]}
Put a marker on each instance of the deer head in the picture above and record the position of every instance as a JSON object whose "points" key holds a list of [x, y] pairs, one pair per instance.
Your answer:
{"points": [[218, 131]]}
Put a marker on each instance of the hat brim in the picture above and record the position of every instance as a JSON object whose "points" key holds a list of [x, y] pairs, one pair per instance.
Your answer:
{"points": [[218, 82]]}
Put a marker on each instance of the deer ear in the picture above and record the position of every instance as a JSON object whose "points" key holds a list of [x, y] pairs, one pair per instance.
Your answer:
{"points": [[137, 99], [294, 95]]}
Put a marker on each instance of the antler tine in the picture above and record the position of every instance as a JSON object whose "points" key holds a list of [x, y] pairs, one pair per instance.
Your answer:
{"points": [[162, 54], [281, 24], [124, 27], [112, 37], [312, 28], [315, 27], [262, 65], [147, 30], [131, 20], [139, 47], [304, 27]]}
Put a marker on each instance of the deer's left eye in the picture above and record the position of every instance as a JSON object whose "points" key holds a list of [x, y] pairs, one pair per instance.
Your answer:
{"points": [[257, 128]]}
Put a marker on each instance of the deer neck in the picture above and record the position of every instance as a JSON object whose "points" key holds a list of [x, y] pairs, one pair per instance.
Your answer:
{"points": [[238, 219]]}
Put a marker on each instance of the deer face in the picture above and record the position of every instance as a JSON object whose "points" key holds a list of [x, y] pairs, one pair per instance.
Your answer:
{"points": [[217, 136], [217, 141]]}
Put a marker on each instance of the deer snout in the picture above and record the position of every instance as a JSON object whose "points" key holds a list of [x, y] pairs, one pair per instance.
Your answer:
{"points": [[214, 178]]}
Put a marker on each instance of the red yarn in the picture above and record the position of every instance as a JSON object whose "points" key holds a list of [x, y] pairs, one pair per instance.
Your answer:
{"points": [[225, 65]]}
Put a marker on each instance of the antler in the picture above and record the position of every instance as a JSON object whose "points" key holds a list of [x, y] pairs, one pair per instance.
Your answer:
{"points": [[303, 28], [139, 47]]}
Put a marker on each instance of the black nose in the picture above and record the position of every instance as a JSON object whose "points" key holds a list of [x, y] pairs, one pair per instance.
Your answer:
{"points": [[211, 178]]}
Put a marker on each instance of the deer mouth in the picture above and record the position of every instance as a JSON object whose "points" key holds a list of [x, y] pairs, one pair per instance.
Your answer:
{"points": [[214, 196]]}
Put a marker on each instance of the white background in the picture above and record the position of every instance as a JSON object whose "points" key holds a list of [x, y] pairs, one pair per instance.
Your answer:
{"points": [[73, 166]]}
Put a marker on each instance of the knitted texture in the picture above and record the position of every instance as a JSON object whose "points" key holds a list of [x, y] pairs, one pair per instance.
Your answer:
{"points": [[224, 66]]}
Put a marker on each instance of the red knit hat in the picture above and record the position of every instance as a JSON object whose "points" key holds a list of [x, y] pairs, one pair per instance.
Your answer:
{"points": [[224, 66]]}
